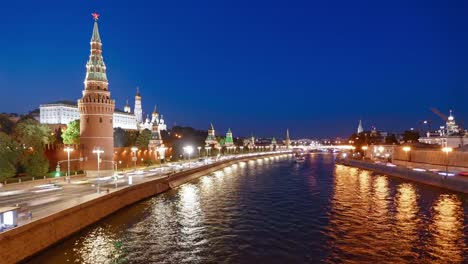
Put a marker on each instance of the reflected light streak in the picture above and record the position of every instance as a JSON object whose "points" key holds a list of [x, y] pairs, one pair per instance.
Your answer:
{"points": [[98, 247], [447, 227]]}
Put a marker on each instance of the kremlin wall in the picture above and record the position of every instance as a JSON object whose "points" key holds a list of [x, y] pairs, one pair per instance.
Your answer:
{"points": [[122, 157]]}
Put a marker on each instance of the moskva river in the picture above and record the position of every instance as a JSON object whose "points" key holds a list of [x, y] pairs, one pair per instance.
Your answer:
{"points": [[276, 211]]}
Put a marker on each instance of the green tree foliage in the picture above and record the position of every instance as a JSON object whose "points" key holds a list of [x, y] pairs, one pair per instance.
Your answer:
{"points": [[391, 139], [364, 139], [132, 136], [221, 141], [7, 170], [72, 133], [9, 154], [143, 139], [35, 164], [6, 125], [32, 134], [410, 136], [33, 137], [188, 136], [121, 138]]}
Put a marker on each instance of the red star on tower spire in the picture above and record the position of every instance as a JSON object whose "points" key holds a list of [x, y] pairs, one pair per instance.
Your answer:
{"points": [[95, 16]]}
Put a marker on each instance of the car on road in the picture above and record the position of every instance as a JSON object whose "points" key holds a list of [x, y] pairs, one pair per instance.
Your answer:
{"points": [[47, 187]]}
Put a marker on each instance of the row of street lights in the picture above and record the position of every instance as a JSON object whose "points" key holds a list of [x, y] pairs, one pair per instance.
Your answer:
{"points": [[407, 150], [187, 149]]}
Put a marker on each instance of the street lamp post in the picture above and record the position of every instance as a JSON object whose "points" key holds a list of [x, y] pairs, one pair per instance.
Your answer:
{"points": [[68, 149], [407, 150], [447, 150], [188, 150], [199, 149], [364, 148], [134, 150], [162, 152], [98, 151]]}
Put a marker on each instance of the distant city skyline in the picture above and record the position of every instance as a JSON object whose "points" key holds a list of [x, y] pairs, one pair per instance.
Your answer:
{"points": [[315, 68]]}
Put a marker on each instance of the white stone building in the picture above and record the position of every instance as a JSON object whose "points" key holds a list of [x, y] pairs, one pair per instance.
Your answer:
{"points": [[63, 112], [449, 135]]}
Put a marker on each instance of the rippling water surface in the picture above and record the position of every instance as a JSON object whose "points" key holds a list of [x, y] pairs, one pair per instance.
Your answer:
{"points": [[275, 211]]}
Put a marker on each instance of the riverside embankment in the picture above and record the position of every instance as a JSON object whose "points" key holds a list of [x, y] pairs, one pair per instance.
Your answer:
{"points": [[454, 183], [24, 241]]}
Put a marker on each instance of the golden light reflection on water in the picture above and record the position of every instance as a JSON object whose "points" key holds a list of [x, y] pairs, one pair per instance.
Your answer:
{"points": [[99, 246], [207, 185], [447, 227], [188, 195], [366, 221], [190, 217], [407, 220]]}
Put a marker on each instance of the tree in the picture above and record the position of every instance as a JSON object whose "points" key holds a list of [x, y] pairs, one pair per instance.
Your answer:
{"points": [[143, 139], [410, 136], [72, 133], [6, 125], [33, 135], [221, 141], [9, 154], [391, 139], [132, 137], [121, 138], [36, 164]]}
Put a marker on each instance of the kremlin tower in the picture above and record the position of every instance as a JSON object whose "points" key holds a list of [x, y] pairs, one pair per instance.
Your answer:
{"points": [[156, 140], [155, 116], [211, 138], [138, 110], [229, 142], [96, 112]]}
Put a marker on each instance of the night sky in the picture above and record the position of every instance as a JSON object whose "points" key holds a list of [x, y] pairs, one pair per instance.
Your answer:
{"points": [[254, 66]]}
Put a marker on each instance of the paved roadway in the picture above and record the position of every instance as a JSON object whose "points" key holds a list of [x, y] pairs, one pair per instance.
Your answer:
{"points": [[42, 199]]}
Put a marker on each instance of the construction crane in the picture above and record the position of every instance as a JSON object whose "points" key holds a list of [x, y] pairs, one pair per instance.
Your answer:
{"points": [[439, 114]]}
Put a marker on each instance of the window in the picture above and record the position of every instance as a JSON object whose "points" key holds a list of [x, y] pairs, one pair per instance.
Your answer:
{"points": [[100, 120]]}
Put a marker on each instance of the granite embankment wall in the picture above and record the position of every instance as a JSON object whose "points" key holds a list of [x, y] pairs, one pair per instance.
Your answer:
{"points": [[431, 159], [24, 241], [454, 183]]}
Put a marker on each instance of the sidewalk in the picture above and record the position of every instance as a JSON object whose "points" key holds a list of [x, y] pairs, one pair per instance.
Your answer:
{"points": [[453, 183]]}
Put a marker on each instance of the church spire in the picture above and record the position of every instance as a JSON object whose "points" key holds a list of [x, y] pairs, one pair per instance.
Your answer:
{"points": [[360, 129]]}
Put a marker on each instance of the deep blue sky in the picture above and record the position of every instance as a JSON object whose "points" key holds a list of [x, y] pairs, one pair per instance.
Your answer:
{"points": [[254, 66]]}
